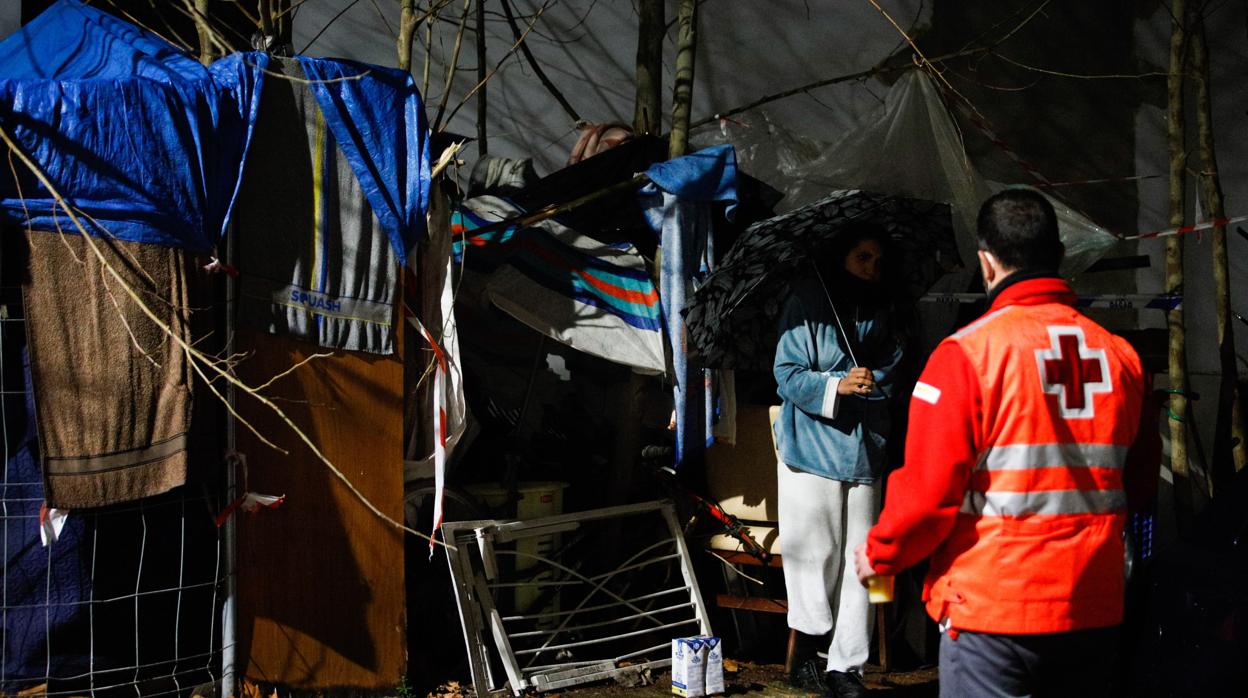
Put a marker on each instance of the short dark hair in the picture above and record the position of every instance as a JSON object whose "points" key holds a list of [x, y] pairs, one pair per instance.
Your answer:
{"points": [[1019, 227]]}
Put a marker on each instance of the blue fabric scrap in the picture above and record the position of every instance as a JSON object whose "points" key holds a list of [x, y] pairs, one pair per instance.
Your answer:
{"points": [[709, 174]]}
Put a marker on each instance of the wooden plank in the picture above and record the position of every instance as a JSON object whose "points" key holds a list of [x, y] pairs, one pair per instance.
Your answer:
{"points": [[737, 557], [752, 603], [321, 579]]}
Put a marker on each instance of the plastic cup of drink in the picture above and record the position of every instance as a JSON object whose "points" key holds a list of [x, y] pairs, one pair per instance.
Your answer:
{"points": [[880, 588]]}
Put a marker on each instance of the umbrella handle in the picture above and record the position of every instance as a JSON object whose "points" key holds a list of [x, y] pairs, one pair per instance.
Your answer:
{"points": [[849, 344]]}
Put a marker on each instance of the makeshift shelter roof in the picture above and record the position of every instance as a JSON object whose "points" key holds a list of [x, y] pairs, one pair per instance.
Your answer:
{"points": [[151, 145]]}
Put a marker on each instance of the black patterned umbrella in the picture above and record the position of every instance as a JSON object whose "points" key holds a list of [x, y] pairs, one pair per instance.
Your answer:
{"points": [[732, 318]]}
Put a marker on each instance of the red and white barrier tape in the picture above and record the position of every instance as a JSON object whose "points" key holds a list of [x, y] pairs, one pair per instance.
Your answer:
{"points": [[439, 427], [1184, 229]]}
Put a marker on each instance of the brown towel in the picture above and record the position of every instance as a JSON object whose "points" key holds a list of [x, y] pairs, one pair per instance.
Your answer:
{"points": [[113, 420]]}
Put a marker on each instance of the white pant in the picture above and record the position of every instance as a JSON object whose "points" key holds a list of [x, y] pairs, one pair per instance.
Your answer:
{"points": [[821, 522]]}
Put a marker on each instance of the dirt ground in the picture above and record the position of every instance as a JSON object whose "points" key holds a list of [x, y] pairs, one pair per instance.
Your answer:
{"points": [[748, 680]]}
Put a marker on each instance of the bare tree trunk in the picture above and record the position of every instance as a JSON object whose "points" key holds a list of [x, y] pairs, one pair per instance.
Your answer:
{"points": [[651, 26], [266, 18], [433, 17], [483, 147], [1229, 443], [452, 66], [206, 54], [1174, 268], [682, 94], [283, 24], [407, 32]]}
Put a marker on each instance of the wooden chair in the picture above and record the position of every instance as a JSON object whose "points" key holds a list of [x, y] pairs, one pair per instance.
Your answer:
{"points": [[742, 479]]}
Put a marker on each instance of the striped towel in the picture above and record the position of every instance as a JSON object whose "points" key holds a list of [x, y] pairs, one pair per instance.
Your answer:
{"points": [[314, 260], [595, 297]]}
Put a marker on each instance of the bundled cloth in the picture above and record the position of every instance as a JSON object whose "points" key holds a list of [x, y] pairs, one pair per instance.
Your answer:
{"points": [[501, 176], [112, 389]]}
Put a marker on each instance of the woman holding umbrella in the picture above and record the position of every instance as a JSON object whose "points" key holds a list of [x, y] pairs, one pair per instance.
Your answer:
{"points": [[834, 368]]}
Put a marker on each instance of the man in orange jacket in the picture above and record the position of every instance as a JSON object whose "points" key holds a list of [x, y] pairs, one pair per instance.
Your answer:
{"points": [[1028, 442]]}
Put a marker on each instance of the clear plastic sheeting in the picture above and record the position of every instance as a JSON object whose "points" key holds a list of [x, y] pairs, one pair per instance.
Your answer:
{"points": [[910, 146]]}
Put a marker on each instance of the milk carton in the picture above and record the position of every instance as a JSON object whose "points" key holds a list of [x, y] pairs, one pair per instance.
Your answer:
{"points": [[688, 667], [714, 665]]}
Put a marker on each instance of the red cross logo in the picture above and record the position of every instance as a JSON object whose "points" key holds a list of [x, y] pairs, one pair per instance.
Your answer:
{"points": [[1072, 371]]}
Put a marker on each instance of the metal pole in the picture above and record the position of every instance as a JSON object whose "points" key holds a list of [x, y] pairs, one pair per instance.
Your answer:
{"points": [[229, 641]]}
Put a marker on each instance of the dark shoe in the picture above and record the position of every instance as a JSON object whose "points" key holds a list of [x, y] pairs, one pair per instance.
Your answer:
{"points": [[846, 684], [809, 676]]}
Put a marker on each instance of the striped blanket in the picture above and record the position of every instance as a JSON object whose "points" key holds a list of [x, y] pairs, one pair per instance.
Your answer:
{"points": [[595, 297]]}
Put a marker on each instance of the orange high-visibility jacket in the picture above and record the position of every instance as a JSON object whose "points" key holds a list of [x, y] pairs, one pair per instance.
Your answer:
{"points": [[1020, 429]]}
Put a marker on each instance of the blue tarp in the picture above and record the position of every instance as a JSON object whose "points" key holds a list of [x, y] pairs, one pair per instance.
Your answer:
{"points": [[151, 145], [709, 174], [139, 136], [378, 120]]}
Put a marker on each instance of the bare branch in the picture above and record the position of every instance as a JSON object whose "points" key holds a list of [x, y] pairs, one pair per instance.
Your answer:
{"points": [[176, 40], [451, 68], [291, 370], [863, 74], [328, 24], [537, 68], [444, 161], [1106, 76], [502, 60], [431, 17], [483, 145], [881, 69]]}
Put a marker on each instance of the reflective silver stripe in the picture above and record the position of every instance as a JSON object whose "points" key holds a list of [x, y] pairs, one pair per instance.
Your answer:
{"points": [[980, 322], [1070, 455], [1044, 502]]}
